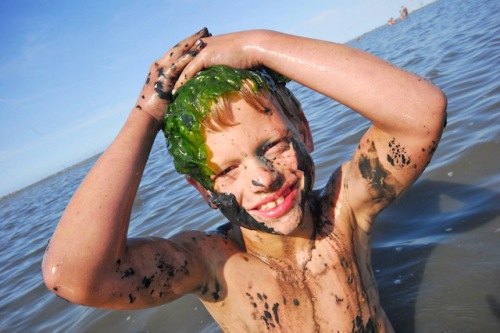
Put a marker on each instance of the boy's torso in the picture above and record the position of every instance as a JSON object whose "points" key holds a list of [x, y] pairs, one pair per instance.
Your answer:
{"points": [[331, 289]]}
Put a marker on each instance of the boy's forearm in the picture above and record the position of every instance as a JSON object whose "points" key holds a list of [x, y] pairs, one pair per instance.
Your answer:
{"points": [[393, 99], [92, 232]]}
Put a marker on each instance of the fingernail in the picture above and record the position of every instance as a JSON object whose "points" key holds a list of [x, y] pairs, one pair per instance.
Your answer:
{"points": [[199, 44]]}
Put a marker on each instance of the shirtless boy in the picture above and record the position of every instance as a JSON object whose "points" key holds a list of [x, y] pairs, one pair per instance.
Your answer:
{"points": [[293, 259]]}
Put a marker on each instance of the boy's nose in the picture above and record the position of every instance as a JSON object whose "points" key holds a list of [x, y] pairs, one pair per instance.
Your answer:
{"points": [[265, 179]]}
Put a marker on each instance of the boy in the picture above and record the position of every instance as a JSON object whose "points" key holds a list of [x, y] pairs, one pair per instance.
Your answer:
{"points": [[292, 260]]}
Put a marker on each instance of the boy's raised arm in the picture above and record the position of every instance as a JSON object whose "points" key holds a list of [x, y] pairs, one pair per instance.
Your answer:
{"points": [[407, 112], [90, 260]]}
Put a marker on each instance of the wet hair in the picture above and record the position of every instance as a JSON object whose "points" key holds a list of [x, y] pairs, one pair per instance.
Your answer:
{"points": [[203, 102]]}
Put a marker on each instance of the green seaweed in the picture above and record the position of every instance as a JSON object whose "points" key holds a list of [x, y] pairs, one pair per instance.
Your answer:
{"points": [[191, 105]]}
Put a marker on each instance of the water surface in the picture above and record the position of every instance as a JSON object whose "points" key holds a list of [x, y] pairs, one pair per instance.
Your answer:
{"points": [[436, 251]]}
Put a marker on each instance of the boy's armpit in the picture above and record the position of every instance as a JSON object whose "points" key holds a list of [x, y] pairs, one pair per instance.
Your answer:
{"points": [[381, 186], [382, 168]]}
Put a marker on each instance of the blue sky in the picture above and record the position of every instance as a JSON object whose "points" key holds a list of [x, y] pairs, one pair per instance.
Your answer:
{"points": [[70, 71]]}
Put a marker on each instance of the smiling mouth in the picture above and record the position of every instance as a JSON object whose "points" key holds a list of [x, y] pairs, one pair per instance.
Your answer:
{"points": [[273, 204], [279, 206]]}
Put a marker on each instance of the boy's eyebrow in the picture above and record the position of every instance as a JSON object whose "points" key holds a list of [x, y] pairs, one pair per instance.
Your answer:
{"points": [[261, 149], [219, 166]]}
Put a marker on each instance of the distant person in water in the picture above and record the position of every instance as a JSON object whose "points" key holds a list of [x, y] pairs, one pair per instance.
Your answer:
{"points": [[391, 21], [404, 10], [291, 259]]}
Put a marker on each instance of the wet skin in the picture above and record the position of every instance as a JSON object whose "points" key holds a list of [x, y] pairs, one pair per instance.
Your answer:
{"points": [[316, 277], [266, 175], [232, 210], [302, 260]]}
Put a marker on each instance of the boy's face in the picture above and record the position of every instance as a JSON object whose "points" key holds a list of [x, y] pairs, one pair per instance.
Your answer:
{"points": [[263, 163]]}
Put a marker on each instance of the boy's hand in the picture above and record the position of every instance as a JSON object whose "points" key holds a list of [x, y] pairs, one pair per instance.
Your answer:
{"points": [[156, 93], [233, 49]]}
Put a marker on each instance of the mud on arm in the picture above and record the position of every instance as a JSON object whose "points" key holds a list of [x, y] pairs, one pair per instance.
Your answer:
{"points": [[91, 236], [384, 165]]}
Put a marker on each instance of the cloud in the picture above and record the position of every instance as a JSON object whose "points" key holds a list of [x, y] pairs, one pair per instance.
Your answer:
{"points": [[48, 140], [28, 98], [27, 55], [323, 17]]}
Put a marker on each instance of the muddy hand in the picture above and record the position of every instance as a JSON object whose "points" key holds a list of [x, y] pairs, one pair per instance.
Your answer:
{"points": [[238, 49], [156, 93]]}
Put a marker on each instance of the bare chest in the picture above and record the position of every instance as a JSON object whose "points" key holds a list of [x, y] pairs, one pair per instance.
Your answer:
{"points": [[325, 292]]}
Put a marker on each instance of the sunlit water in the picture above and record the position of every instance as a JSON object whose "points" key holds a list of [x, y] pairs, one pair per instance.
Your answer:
{"points": [[436, 251]]}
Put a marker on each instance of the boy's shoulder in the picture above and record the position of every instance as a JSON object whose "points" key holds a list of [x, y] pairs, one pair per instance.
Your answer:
{"points": [[221, 241], [329, 203]]}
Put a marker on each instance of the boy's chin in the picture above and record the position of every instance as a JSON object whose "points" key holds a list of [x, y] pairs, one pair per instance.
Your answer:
{"points": [[285, 228], [284, 225]]}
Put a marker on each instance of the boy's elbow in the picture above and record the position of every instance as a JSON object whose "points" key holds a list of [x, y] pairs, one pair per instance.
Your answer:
{"points": [[69, 287], [437, 105], [50, 280], [441, 105]]}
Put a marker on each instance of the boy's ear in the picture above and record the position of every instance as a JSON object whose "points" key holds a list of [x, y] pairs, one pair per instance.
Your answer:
{"points": [[203, 191], [305, 132]]}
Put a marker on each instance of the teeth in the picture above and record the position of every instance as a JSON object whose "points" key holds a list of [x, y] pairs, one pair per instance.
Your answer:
{"points": [[272, 204]]}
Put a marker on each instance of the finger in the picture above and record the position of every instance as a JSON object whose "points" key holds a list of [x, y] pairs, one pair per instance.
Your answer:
{"points": [[168, 78], [180, 48], [186, 61], [163, 66], [190, 70]]}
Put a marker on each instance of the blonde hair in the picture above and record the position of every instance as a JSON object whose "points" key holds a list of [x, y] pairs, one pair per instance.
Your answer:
{"points": [[221, 116], [203, 102]]}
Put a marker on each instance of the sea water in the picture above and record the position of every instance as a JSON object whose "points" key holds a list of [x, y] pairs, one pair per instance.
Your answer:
{"points": [[436, 251]]}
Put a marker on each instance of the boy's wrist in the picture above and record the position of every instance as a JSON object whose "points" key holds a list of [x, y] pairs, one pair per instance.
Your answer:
{"points": [[257, 44], [152, 121]]}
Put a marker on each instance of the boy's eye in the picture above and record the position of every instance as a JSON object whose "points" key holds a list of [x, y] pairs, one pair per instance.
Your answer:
{"points": [[226, 171], [277, 147], [225, 177]]}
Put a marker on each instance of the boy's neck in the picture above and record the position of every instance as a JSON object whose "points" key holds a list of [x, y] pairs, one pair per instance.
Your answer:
{"points": [[292, 249]]}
